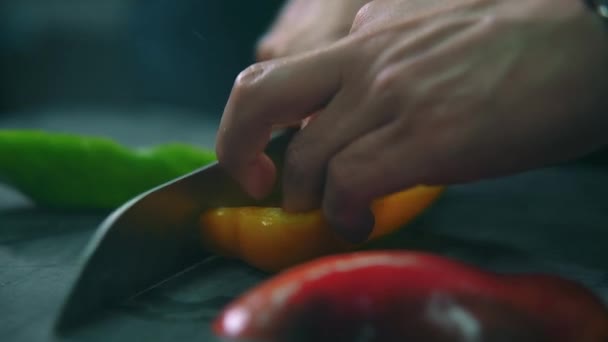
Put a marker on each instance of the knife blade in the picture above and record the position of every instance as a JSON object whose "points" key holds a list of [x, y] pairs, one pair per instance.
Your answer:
{"points": [[153, 237]]}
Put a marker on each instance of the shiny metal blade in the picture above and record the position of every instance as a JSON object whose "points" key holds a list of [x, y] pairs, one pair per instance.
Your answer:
{"points": [[153, 237]]}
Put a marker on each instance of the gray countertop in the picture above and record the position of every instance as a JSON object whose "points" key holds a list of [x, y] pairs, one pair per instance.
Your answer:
{"points": [[553, 220]]}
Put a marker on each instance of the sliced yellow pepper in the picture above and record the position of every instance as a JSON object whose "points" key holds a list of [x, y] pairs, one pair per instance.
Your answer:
{"points": [[271, 239]]}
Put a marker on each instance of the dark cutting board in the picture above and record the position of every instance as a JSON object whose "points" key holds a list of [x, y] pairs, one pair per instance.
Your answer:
{"points": [[553, 220]]}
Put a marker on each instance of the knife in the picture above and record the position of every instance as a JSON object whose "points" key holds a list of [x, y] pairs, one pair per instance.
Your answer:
{"points": [[154, 236]]}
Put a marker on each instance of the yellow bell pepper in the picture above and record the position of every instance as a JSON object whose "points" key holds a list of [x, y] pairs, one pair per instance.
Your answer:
{"points": [[271, 239]]}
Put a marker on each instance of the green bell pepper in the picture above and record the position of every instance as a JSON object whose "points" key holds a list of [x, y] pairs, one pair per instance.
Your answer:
{"points": [[69, 171]]}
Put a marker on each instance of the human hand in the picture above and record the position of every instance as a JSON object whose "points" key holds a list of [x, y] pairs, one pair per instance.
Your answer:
{"points": [[304, 25], [467, 90]]}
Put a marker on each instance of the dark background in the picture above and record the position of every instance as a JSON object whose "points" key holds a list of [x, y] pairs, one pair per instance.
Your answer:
{"points": [[79, 56]]}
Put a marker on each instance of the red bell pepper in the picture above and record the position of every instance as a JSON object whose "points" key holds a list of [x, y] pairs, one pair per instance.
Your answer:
{"points": [[409, 296]]}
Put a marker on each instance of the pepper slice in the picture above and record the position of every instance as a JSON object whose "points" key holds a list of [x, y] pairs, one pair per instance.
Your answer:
{"points": [[410, 296], [271, 239], [70, 171]]}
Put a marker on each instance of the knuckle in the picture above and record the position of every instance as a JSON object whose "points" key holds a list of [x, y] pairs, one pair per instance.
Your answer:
{"points": [[387, 84], [363, 15], [491, 23], [247, 80]]}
